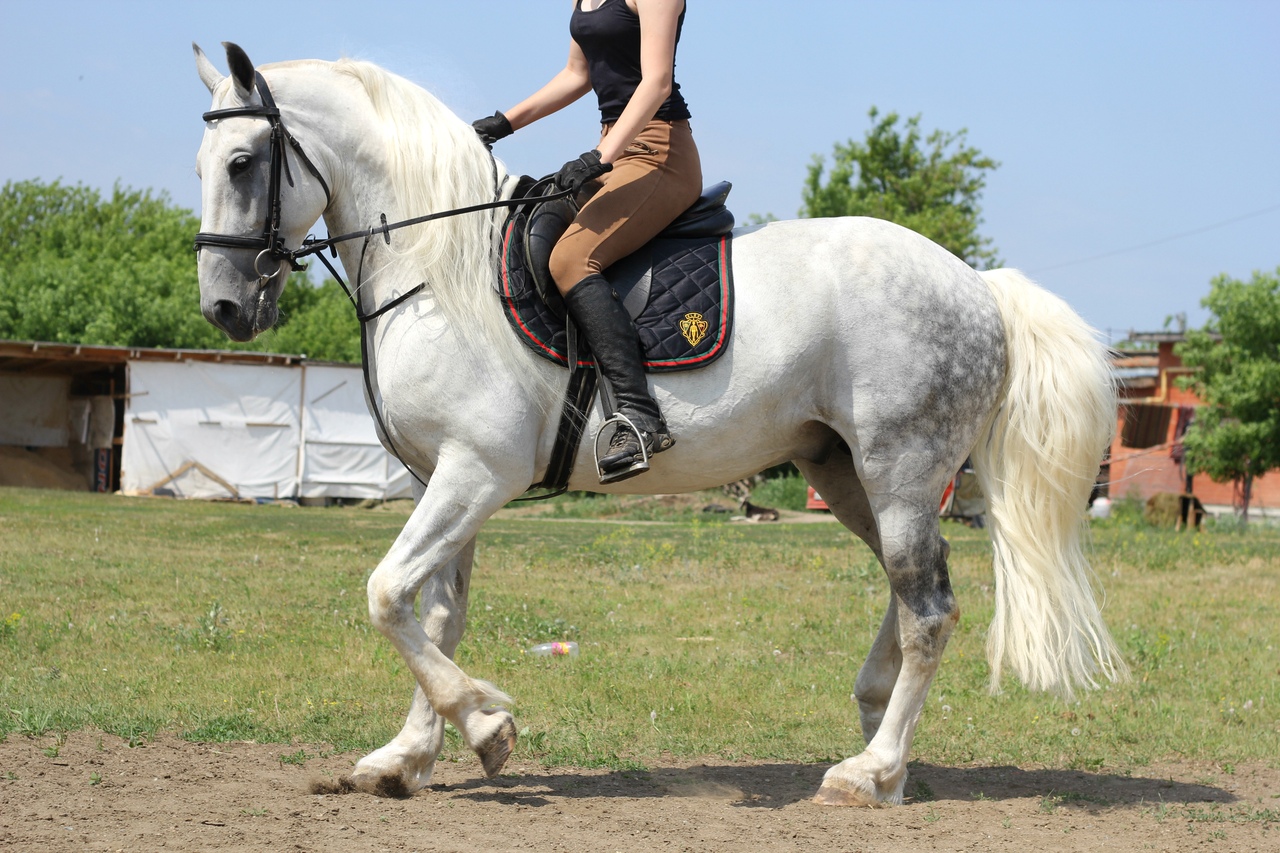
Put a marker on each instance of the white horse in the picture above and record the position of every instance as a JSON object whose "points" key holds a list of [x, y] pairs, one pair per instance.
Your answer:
{"points": [[865, 353]]}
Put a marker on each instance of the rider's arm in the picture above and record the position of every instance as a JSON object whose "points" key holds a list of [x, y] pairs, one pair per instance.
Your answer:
{"points": [[569, 85], [659, 20]]}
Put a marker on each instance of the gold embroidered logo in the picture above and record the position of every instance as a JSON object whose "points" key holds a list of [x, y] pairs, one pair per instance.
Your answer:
{"points": [[694, 328]]}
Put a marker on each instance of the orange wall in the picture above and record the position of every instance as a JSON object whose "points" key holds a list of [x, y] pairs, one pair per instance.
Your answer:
{"points": [[1151, 470]]}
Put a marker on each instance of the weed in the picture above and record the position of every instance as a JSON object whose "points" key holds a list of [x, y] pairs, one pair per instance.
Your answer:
{"points": [[95, 778], [1050, 802], [213, 631], [32, 722], [299, 758], [59, 740]]}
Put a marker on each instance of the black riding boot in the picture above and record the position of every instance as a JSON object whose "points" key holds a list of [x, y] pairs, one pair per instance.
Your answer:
{"points": [[616, 347]]}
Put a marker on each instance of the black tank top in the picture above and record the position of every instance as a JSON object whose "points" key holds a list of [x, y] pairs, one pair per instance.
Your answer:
{"points": [[610, 39]]}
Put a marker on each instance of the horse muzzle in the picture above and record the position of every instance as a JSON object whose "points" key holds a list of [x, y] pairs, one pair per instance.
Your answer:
{"points": [[243, 319]]}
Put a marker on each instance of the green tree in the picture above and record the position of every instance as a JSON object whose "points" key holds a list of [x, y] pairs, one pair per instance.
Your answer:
{"points": [[79, 268], [931, 184], [1235, 437]]}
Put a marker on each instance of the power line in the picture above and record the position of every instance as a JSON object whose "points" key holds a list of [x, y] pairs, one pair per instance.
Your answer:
{"points": [[1169, 239]]}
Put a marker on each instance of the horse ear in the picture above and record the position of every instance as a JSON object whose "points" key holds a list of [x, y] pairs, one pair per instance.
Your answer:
{"points": [[241, 68], [208, 74]]}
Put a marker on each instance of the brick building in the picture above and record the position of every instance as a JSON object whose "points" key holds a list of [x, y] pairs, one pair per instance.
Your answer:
{"points": [[1154, 414]]}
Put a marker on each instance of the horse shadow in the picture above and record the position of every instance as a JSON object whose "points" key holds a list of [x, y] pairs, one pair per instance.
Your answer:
{"points": [[772, 786]]}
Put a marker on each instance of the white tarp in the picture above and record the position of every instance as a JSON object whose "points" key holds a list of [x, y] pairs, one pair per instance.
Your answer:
{"points": [[341, 454], [209, 430]]}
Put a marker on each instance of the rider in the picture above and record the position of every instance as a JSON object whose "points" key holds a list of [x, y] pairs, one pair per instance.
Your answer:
{"points": [[647, 171]]}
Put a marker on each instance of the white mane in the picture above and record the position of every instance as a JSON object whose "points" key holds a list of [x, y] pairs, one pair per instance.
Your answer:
{"points": [[437, 164]]}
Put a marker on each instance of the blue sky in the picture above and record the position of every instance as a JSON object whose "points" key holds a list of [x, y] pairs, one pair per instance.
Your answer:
{"points": [[1139, 141]]}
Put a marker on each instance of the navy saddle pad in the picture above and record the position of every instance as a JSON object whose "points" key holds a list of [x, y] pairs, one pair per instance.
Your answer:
{"points": [[684, 324]]}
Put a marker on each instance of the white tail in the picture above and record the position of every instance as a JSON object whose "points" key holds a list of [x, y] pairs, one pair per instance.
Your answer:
{"points": [[1036, 465]]}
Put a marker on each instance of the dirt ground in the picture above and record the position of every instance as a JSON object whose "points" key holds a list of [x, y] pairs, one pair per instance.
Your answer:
{"points": [[94, 792]]}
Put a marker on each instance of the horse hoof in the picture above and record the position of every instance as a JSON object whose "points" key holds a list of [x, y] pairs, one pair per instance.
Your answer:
{"points": [[497, 748], [829, 795], [387, 786]]}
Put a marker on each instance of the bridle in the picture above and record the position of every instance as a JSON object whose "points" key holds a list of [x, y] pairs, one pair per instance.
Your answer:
{"points": [[269, 243]]}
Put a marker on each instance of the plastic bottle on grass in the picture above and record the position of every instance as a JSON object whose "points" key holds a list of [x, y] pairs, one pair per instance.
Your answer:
{"points": [[566, 649]]}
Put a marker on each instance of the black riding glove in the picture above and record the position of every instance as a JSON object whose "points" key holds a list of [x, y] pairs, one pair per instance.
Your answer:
{"points": [[581, 170], [492, 128]]}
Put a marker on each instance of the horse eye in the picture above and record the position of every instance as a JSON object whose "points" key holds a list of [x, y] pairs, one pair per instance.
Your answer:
{"points": [[240, 165]]}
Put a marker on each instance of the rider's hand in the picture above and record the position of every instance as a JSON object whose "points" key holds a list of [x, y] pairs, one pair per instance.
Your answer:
{"points": [[492, 128], [581, 170]]}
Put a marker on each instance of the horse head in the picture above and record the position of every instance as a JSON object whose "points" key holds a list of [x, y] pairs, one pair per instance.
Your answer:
{"points": [[254, 203]]}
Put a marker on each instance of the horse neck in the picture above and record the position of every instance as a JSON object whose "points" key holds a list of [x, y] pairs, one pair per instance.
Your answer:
{"points": [[456, 258], [389, 171]]}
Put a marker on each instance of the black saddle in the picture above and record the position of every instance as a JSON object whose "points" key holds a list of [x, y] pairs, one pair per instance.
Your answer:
{"points": [[545, 223]]}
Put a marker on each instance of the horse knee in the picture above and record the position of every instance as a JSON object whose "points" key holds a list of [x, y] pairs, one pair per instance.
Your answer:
{"points": [[389, 605]]}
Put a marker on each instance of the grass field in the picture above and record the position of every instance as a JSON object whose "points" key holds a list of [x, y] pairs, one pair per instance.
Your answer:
{"points": [[699, 638]]}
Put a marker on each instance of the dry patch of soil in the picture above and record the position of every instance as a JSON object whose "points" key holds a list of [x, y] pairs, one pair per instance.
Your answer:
{"points": [[95, 793]]}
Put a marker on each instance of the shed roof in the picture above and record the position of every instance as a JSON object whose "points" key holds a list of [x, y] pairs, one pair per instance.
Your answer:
{"points": [[36, 357]]}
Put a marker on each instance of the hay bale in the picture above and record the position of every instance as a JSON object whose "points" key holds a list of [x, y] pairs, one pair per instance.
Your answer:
{"points": [[1162, 509], [32, 470]]}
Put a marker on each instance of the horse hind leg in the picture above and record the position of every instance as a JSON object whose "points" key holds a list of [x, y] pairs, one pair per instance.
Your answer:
{"points": [[914, 557], [836, 479]]}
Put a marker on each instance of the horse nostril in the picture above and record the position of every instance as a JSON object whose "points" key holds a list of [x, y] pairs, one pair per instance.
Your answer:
{"points": [[226, 315]]}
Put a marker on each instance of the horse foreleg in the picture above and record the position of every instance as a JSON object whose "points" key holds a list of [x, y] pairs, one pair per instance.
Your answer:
{"points": [[406, 763], [926, 611], [879, 673], [440, 528]]}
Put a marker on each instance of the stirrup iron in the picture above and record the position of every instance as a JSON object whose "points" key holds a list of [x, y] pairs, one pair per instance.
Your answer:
{"points": [[619, 421]]}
